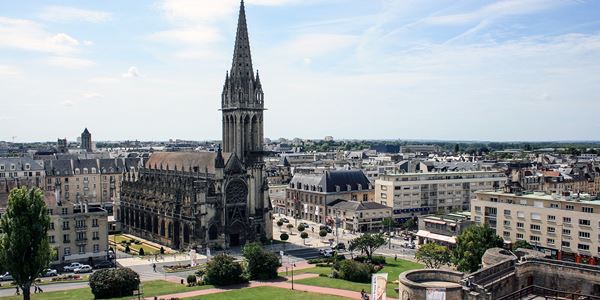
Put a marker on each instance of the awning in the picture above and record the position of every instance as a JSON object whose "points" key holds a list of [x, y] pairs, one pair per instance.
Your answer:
{"points": [[437, 237], [434, 221]]}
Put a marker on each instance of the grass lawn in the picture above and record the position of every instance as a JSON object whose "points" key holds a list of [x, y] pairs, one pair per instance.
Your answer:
{"points": [[393, 268], [150, 288], [314, 270], [265, 292], [148, 249]]}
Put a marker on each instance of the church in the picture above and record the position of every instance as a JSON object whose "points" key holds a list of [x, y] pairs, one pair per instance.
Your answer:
{"points": [[208, 199]]}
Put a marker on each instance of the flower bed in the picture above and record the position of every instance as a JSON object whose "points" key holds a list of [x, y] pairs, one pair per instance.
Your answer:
{"points": [[180, 268]]}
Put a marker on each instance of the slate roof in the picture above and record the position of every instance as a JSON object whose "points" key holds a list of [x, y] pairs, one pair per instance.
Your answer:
{"points": [[20, 162], [184, 160], [355, 205], [328, 181]]}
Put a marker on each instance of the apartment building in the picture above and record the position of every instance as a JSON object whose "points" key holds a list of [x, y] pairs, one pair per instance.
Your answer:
{"points": [[443, 229], [414, 194], [565, 226], [358, 216], [22, 168], [308, 195]]}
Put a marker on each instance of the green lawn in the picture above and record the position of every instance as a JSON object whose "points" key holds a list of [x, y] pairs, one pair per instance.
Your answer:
{"points": [[393, 268], [314, 270], [266, 292], [150, 288], [148, 249]]}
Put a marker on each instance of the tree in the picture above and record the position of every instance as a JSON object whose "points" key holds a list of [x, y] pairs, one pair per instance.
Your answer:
{"points": [[112, 283], [368, 243], [304, 236], [289, 227], [434, 255], [262, 265], [127, 248], [301, 228], [409, 224], [471, 244], [24, 248], [162, 250], [322, 233], [522, 244], [141, 252], [284, 237], [456, 148], [222, 269], [279, 224]]}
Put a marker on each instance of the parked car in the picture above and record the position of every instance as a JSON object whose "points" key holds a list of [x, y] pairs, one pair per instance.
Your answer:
{"points": [[409, 245], [328, 252], [285, 220], [103, 265], [322, 250], [49, 273], [72, 267], [305, 225], [340, 246], [6, 277], [328, 229], [83, 269]]}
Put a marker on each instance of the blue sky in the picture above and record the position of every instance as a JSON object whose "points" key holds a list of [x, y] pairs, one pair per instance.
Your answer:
{"points": [[381, 69]]}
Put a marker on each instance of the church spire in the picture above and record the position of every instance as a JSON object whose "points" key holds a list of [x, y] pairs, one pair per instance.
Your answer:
{"points": [[241, 66]]}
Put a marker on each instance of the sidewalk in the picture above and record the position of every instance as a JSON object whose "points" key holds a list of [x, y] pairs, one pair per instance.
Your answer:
{"points": [[165, 258]]}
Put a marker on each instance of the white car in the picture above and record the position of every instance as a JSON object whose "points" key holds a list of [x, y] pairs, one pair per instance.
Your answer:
{"points": [[83, 269], [328, 252], [72, 267], [6, 277]]}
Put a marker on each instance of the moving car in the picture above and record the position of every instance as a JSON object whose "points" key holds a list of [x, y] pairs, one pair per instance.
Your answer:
{"points": [[83, 269], [328, 252], [305, 225], [340, 246], [6, 277], [49, 273], [72, 267]]}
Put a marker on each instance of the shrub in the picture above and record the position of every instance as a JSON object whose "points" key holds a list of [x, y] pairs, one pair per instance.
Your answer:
{"points": [[378, 260], [141, 252], [323, 265], [301, 228], [222, 269], [355, 271], [127, 250], [191, 280], [323, 275], [162, 250], [284, 237], [112, 283], [262, 264]]}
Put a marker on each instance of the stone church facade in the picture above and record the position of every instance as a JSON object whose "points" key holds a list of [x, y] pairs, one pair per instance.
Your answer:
{"points": [[187, 199]]}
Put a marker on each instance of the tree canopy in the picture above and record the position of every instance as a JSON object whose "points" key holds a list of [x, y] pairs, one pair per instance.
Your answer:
{"points": [[471, 244], [434, 255], [24, 248], [262, 264], [368, 243]]}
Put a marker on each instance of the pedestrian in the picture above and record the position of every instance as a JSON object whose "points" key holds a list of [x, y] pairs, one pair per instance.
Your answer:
{"points": [[154, 267], [17, 287], [395, 257], [34, 289], [40, 289]]}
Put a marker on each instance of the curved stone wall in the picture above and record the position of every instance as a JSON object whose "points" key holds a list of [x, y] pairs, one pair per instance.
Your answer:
{"points": [[414, 284]]}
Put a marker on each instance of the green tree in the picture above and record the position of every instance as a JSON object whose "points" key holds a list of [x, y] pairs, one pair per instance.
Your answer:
{"points": [[279, 224], [409, 224], [284, 237], [289, 227], [471, 244], [24, 248], [322, 234], [368, 243], [522, 244], [434, 255], [456, 148], [222, 269], [262, 264], [304, 236], [111, 283], [300, 228]]}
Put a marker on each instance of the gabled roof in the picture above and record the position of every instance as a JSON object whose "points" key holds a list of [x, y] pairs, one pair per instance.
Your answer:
{"points": [[330, 180], [234, 165], [355, 205], [184, 160]]}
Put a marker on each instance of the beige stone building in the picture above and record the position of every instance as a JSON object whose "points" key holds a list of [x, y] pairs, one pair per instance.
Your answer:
{"points": [[308, 195], [358, 216], [414, 194], [565, 227]]}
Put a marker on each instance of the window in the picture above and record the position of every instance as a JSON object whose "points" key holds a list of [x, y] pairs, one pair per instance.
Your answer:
{"points": [[520, 214], [51, 239], [520, 225], [550, 241], [67, 251], [535, 227], [534, 238], [81, 249], [65, 225], [51, 226], [50, 211], [567, 231], [584, 234], [478, 209], [553, 205], [96, 248], [566, 244], [519, 236], [567, 220], [95, 235], [583, 247], [507, 212], [64, 211], [586, 209], [506, 234], [570, 207], [583, 222], [94, 222], [535, 216], [551, 230], [506, 223], [66, 238], [551, 218], [538, 204]]}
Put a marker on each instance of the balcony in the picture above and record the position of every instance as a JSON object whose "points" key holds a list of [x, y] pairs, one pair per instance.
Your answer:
{"points": [[81, 228], [81, 241]]}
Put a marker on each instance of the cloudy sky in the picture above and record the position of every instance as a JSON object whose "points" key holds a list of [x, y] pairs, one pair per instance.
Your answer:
{"points": [[385, 69]]}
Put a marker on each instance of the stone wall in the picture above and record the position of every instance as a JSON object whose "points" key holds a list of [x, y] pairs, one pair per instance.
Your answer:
{"points": [[414, 284]]}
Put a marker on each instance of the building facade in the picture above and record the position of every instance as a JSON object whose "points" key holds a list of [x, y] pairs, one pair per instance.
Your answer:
{"points": [[443, 229], [358, 216], [308, 195], [188, 199], [413, 194], [22, 169], [565, 227]]}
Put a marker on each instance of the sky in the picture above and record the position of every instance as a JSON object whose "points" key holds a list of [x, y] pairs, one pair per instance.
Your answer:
{"points": [[378, 69]]}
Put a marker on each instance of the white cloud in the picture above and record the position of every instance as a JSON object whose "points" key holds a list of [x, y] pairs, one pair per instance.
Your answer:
{"points": [[64, 14], [30, 36], [69, 62], [132, 72], [318, 44], [88, 43]]}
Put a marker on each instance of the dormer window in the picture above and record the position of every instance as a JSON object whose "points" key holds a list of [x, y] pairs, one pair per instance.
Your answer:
{"points": [[93, 170], [1, 167], [12, 167], [27, 167], [77, 171], [337, 188], [360, 187], [85, 170]]}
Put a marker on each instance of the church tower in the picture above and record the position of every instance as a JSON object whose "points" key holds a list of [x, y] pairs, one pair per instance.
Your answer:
{"points": [[247, 207], [242, 100]]}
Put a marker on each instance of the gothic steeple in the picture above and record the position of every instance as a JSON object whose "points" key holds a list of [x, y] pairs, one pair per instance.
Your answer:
{"points": [[241, 66]]}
